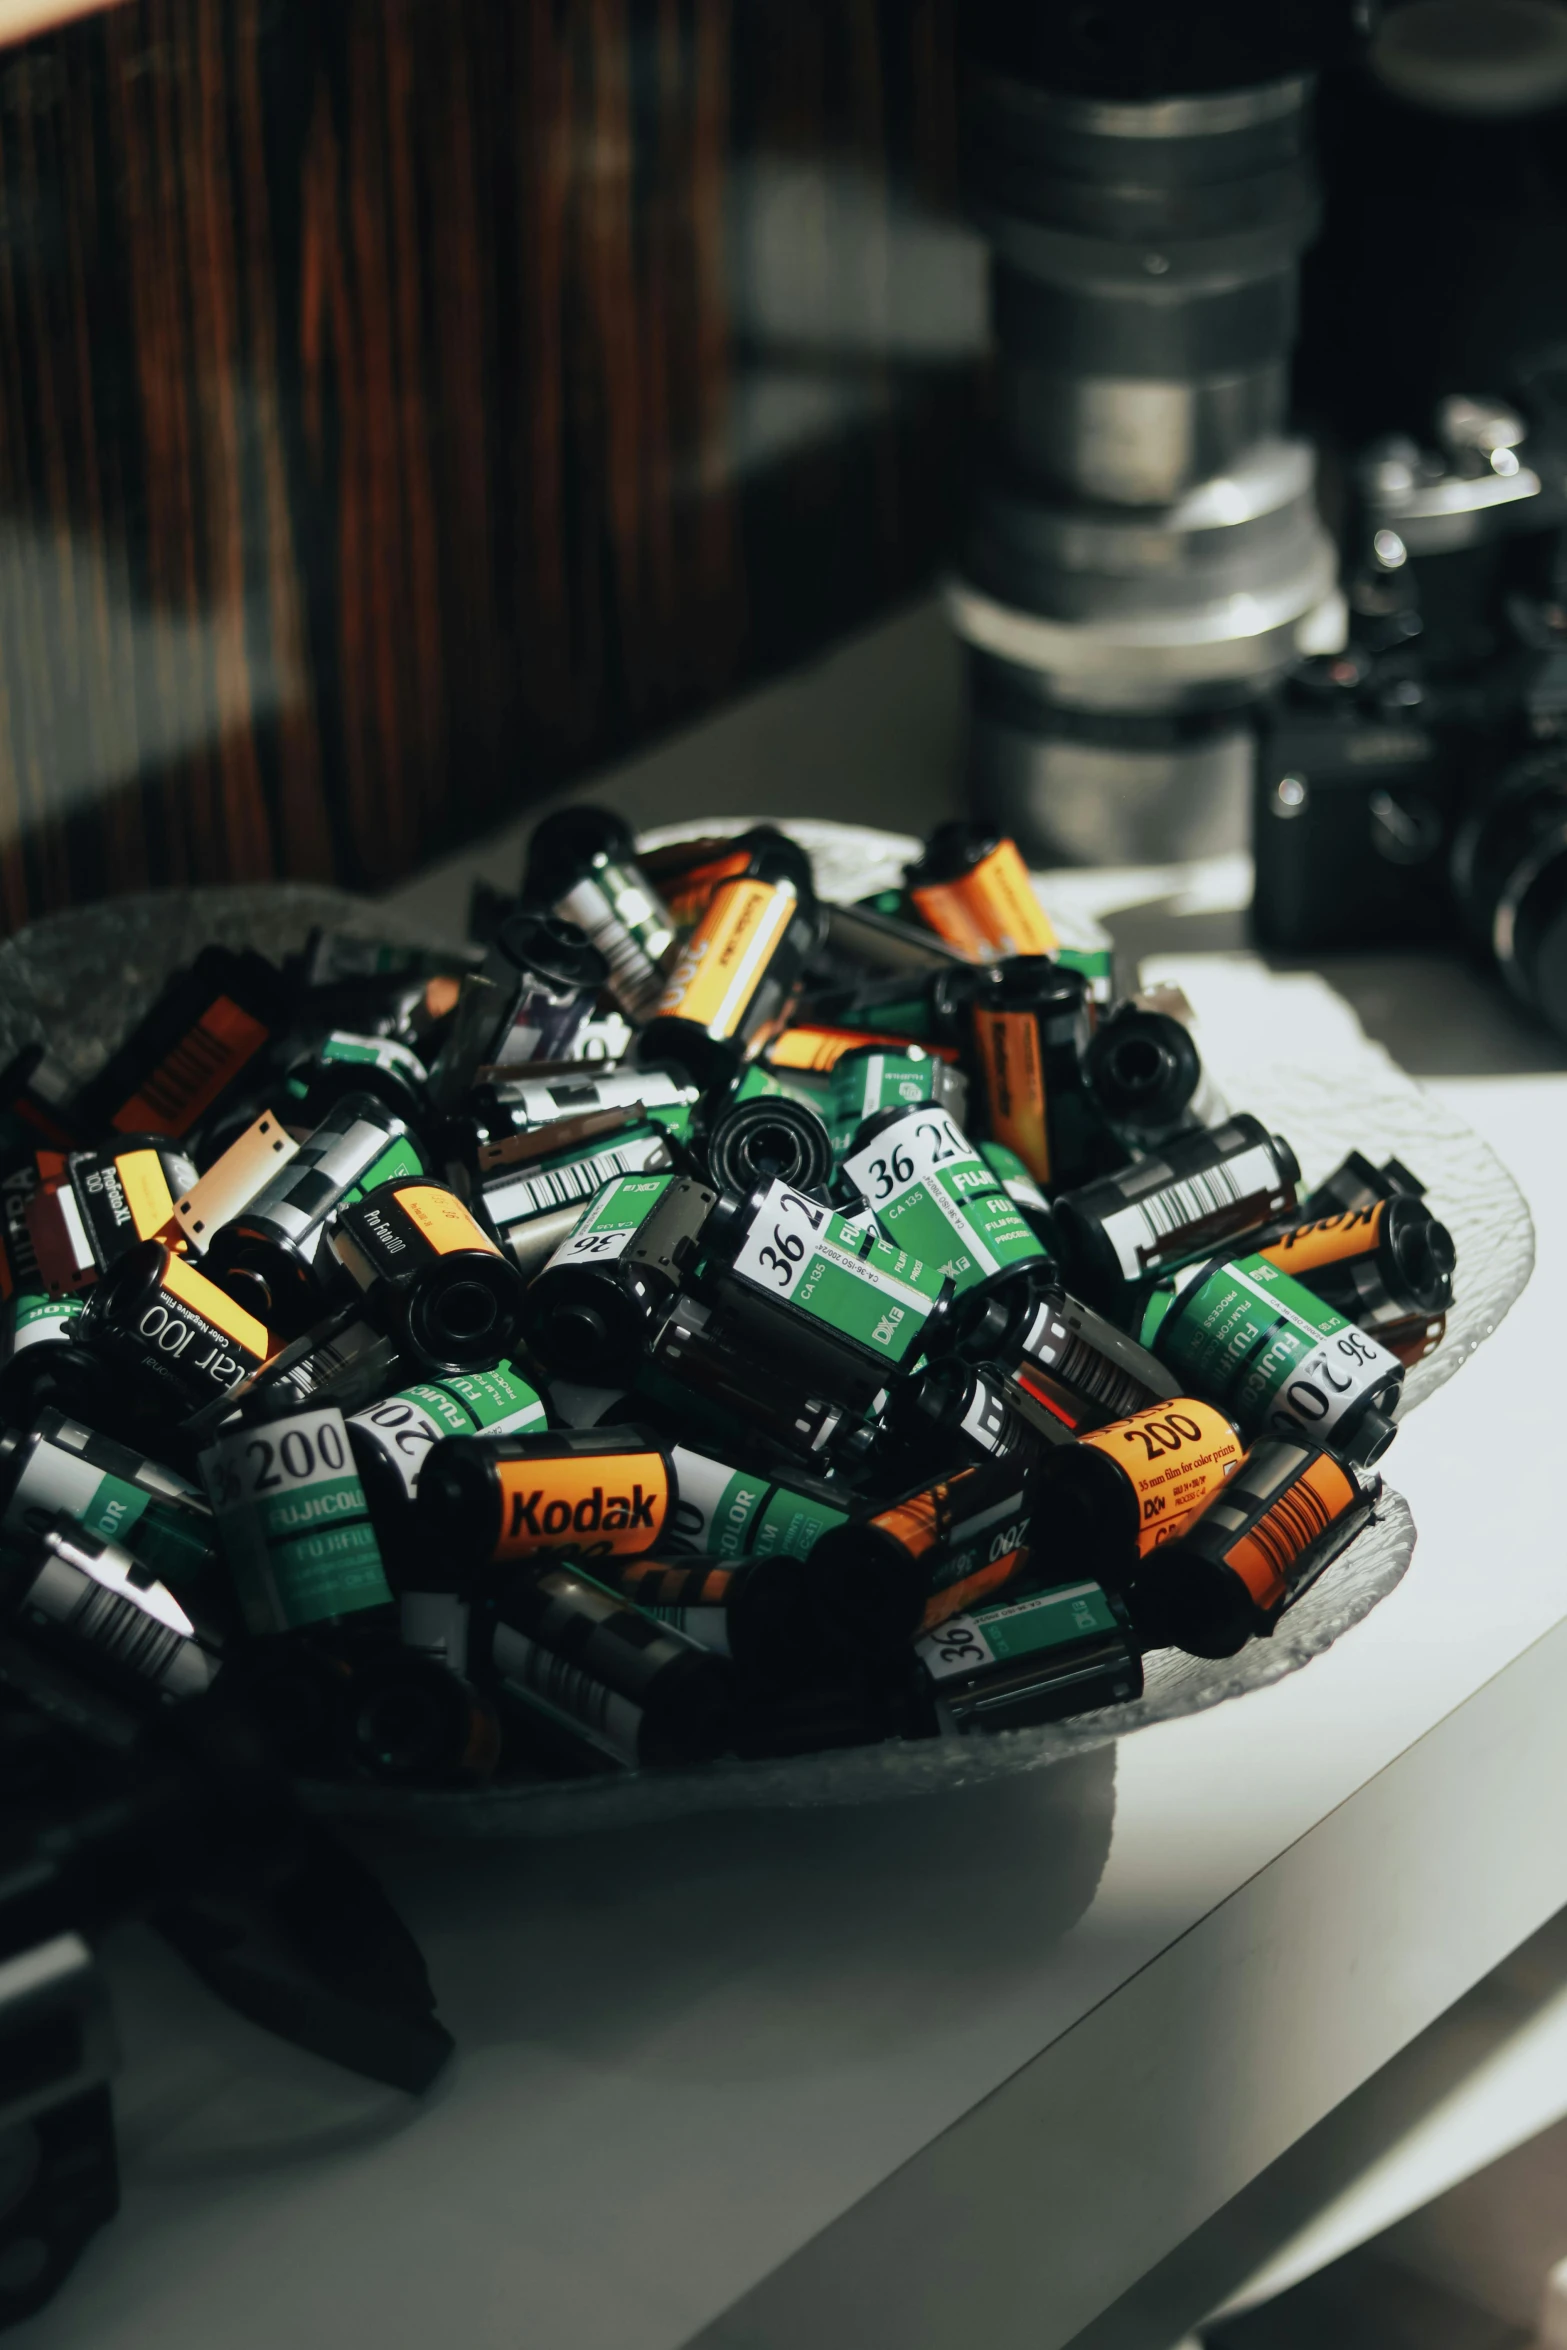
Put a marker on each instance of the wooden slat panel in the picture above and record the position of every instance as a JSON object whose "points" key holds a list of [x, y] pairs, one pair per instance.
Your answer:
{"points": [[383, 432]]}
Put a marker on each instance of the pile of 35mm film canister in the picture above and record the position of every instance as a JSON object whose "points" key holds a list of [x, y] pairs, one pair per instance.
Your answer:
{"points": [[693, 1320]]}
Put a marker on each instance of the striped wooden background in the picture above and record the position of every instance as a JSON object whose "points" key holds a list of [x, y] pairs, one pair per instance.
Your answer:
{"points": [[387, 426]]}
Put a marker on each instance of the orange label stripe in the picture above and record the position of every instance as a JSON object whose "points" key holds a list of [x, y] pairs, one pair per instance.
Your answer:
{"points": [[1263, 1557]]}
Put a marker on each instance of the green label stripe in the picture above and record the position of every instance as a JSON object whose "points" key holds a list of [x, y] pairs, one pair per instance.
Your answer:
{"points": [[497, 1400], [621, 1205], [792, 1524], [1270, 1350], [35, 1316], [399, 1158], [114, 1508], [1049, 1620]]}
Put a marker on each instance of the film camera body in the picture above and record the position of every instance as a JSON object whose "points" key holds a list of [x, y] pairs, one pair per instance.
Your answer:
{"points": [[1414, 785]]}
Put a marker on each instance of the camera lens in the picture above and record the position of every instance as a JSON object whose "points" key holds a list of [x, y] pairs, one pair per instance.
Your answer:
{"points": [[1145, 272], [1510, 875], [1114, 654]]}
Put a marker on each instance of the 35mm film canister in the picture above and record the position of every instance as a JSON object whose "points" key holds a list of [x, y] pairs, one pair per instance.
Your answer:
{"points": [[758, 1613], [796, 1277], [1121, 1491], [391, 1440], [582, 865], [765, 1140], [184, 1341], [1252, 1549], [270, 1253], [942, 1547], [600, 1670], [737, 971], [1380, 1265], [1028, 1030], [1186, 1200], [487, 1501], [431, 1277], [1044, 1658], [1075, 1364], [86, 1598], [102, 1204], [703, 1365], [1283, 1362], [733, 1513], [591, 1311], [112, 1491], [934, 1197], [293, 1519], [972, 888]]}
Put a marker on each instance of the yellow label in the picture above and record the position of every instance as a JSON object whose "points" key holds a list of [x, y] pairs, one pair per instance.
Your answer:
{"points": [[991, 912], [1329, 1241], [146, 1190], [597, 1505], [1173, 1455], [725, 960], [204, 1297], [1008, 1044], [441, 1217]]}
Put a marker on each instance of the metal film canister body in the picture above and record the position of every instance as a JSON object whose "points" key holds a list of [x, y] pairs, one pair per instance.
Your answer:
{"points": [[84, 1597], [601, 1670], [877, 1077], [893, 1571], [115, 1493], [1356, 1183], [737, 971], [1077, 1366], [548, 979], [767, 1139], [731, 1513], [1199, 1191], [952, 1411], [1040, 1659], [1280, 1360], [431, 1276], [1381, 1266], [1252, 1549], [582, 864], [101, 1205], [795, 1277], [381, 1066], [703, 1366], [1120, 1492], [972, 888], [757, 1613], [273, 1249], [293, 1521], [1144, 1070], [392, 1438], [935, 1197], [196, 1044], [185, 1341], [590, 1313], [488, 1501], [532, 1199], [1028, 1026]]}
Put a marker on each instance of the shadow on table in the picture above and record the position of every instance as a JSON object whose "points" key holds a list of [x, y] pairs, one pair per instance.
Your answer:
{"points": [[749, 1944]]}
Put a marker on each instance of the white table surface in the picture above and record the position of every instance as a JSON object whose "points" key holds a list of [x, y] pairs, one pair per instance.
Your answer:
{"points": [[936, 2073]]}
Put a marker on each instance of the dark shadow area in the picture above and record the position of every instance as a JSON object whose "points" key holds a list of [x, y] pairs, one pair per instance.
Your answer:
{"points": [[746, 1944]]}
